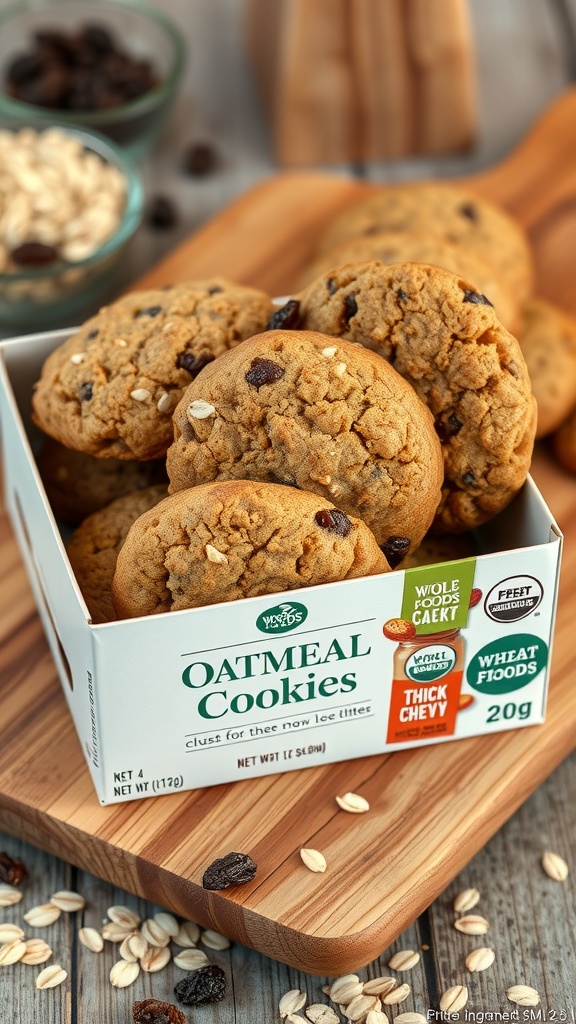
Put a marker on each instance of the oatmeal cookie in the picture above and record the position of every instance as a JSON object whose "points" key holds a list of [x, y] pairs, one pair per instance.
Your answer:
{"points": [[548, 341]]}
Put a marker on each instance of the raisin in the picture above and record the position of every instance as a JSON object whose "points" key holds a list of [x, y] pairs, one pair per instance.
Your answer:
{"points": [[85, 392], [448, 428], [191, 363], [199, 159], [33, 254], [477, 298], [233, 869], [287, 318], [333, 520], [206, 985], [402, 295], [394, 549], [470, 211], [215, 289], [263, 371], [93, 334], [98, 38], [350, 307], [154, 1011], [161, 213], [331, 286], [468, 479], [150, 311], [23, 68], [12, 870]]}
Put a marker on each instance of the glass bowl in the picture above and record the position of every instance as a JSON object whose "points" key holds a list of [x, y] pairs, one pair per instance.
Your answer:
{"points": [[142, 31], [54, 294]]}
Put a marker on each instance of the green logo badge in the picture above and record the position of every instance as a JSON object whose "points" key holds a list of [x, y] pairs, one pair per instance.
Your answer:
{"points": [[437, 597], [430, 663], [282, 617], [507, 664]]}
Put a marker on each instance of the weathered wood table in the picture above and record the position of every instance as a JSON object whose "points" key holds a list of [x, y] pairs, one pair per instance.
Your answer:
{"points": [[526, 57]]}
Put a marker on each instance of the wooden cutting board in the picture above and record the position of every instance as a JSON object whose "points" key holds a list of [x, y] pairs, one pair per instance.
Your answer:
{"points": [[431, 809]]}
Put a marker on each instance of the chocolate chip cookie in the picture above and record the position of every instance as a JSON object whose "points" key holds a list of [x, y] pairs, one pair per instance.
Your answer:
{"points": [[234, 539], [446, 211], [444, 338], [77, 484], [420, 247], [111, 389], [548, 341], [299, 408], [93, 548]]}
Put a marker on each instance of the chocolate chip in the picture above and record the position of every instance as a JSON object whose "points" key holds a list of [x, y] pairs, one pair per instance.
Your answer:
{"points": [[469, 479], [199, 159], [205, 985], [476, 297], [98, 38], [287, 318], [263, 371], [350, 307], [233, 869], [161, 213], [215, 289], [93, 334], [150, 311], [402, 295], [23, 68], [33, 254], [470, 211], [85, 391], [12, 869], [394, 549], [333, 520], [448, 428], [331, 286], [191, 363]]}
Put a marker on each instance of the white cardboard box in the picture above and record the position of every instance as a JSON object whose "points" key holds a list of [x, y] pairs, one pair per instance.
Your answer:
{"points": [[267, 684]]}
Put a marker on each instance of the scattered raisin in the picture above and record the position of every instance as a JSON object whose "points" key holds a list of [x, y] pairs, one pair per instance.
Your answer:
{"points": [[233, 869], [395, 548], [331, 286], [448, 428], [191, 363], [477, 298], [333, 520], [263, 371], [199, 159], [12, 869], [154, 1011], [150, 311], [350, 307], [161, 213], [85, 392], [287, 318], [468, 479], [206, 985], [470, 211], [402, 295], [33, 254]]}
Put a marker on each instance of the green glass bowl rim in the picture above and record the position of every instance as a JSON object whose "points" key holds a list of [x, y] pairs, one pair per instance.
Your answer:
{"points": [[131, 217], [141, 105]]}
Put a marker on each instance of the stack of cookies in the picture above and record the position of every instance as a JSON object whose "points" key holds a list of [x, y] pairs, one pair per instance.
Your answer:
{"points": [[383, 411]]}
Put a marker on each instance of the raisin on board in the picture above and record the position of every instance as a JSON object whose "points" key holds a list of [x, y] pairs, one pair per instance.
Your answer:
{"points": [[206, 985], [233, 869], [12, 869], [155, 1011]]}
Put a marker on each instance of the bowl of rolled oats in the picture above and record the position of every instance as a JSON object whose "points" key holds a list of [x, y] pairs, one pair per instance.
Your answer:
{"points": [[70, 202]]}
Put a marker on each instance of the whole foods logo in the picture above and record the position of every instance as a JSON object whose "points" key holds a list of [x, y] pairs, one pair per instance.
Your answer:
{"points": [[282, 617], [513, 598], [432, 662]]}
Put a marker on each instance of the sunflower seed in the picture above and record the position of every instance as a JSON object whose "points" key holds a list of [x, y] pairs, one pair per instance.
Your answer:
{"points": [[313, 859], [124, 973], [397, 995], [123, 916], [42, 916], [404, 960], [191, 959], [51, 976], [9, 895], [188, 934], [214, 940], [92, 939], [168, 922], [379, 986], [353, 803], [155, 959], [291, 1002], [37, 952], [9, 932], [472, 924], [480, 959], [12, 952], [154, 934], [454, 999], [68, 901], [524, 995], [321, 1013], [555, 866], [465, 900]]}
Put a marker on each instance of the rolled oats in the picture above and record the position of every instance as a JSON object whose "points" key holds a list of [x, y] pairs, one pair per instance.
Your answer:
{"points": [[480, 959], [155, 958], [397, 995], [291, 1002], [51, 976], [214, 940], [361, 1006], [313, 859], [321, 1013], [37, 952], [124, 973], [454, 999], [12, 952], [379, 986], [376, 1017], [523, 995], [129, 919], [191, 959], [68, 901], [555, 866], [404, 960], [168, 922], [154, 933], [472, 924], [353, 803], [92, 939], [346, 988], [42, 916], [465, 900], [188, 934], [9, 932], [9, 895]]}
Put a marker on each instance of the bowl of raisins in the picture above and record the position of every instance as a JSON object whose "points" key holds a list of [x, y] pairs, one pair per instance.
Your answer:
{"points": [[112, 67]]}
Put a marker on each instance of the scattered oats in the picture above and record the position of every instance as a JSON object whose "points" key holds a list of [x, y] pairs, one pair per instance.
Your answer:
{"points": [[480, 959], [120, 343], [379, 986], [168, 922], [291, 1002], [313, 859], [404, 960], [353, 803], [140, 394], [346, 988], [340, 370], [410, 1018], [164, 403], [294, 1018], [137, 945], [188, 934], [51, 976], [154, 934], [42, 916], [325, 479], [77, 358], [199, 410], [124, 973], [472, 924], [214, 940], [68, 901], [12, 952], [113, 932], [454, 999], [92, 939], [9, 895], [321, 1013], [360, 1006], [524, 995], [555, 866], [397, 995], [213, 555], [9, 932], [376, 1017], [155, 959], [124, 916], [326, 990], [191, 959], [465, 900], [37, 952], [126, 953], [330, 351]]}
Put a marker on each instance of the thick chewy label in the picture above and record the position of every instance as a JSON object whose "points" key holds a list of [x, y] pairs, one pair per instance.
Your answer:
{"points": [[507, 664], [421, 712], [436, 598]]}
